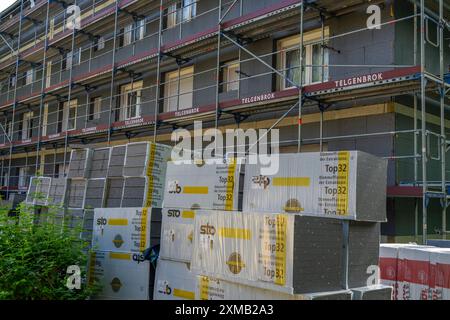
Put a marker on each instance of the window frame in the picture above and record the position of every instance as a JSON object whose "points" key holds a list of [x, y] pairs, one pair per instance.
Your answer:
{"points": [[27, 131], [225, 75], [95, 108], [125, 90], [292, 43], [67, 106], [176, 76]]}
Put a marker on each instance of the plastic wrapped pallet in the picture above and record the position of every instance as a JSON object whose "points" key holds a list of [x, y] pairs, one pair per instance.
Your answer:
{"points": [[95, 193], [375, 292], [415, 273], [174, 281], [76, 193], [38, 190], [177, 232], [99, 163], [88, 225], [126, 229], [121, 275], [204, 186], [117, 161], [80, 162], [146, 159], [440, 261], [114, 192], [143, 191], [293, 254], [346, 184], [57, 193]]}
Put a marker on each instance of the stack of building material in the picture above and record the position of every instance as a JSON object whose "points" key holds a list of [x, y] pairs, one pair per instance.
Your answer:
{"points": [[119, 239], [310, 231], [189, 187], [416, 272], [38, 190]]}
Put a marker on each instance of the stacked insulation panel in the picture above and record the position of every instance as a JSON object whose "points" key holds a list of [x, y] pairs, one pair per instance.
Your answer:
{"points": [[120, 237], [416, 272], [310, 231]]}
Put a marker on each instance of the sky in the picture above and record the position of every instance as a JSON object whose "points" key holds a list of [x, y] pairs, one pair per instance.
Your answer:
{"points": [[5, 4]]}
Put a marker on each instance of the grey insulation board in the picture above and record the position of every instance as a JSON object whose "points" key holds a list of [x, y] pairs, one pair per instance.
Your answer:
{"points": [[74, 218], [95, 191], [117, 161], [136, 160], [38, 190], [79, 165], [376, 292], [114, 192], [57, 191], [319, 254], [134, 192], [336, 295], [88, 225], [76, 191], [99, 164]]}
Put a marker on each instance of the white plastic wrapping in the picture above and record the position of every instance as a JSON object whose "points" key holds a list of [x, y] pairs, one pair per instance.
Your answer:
{"points": [[248, 248], [177, 234], [345, 184], [122, 275], [122, 229], [440, 261], [203, 186], [174, 281]]}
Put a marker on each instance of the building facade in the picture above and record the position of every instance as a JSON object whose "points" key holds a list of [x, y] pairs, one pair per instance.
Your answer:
{"points": [[104, 72]]}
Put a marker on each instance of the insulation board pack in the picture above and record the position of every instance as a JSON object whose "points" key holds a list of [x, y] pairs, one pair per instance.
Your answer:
{"points": [[80, 162], [116, 161], [174, 281], [126, 229], [57, 193], [99, 163], [204, 186], [440, 262], [375, 292], [346, 184], [76, 192], [95, 193], [288, 253], [38, 190], [121, 275], [177, 234], [114, 192]]}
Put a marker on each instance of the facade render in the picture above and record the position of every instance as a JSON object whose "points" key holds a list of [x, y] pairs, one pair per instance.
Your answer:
{"points": [[135, 70]]}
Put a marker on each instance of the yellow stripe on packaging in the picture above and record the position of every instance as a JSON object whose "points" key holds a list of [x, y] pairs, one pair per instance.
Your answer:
{"points": [[184, 294], [118, 222], [291, 182], [93, 258], [280, 255], [149, 173], [342, 183], [235, 233], [120, 256], [230, 185], [143, 238], [186, 214], [204, 288], [195, 190]]}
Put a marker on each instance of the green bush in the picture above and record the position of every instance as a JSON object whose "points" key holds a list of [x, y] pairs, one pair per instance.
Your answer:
{"points": [[35, 252]]}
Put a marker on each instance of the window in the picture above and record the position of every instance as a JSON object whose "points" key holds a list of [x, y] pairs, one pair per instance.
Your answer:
{"points": [[45, 120], [61, 170], [5, 179], [51, 29], [130, 100], [9, 129], [72, 57], [230, 76], [12, 80], [178, 87], [95, 108], [171, 16], [315, 69], [99, 44], [140, 29], [27, 125], [126, 35], [23, 175], [181, 12], [69, 115], [48, 78], [189, 9], [29, 76]]}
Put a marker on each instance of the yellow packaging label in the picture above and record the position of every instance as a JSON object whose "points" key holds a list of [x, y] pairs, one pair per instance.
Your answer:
{"points": [[230, 185], [120, 256], [118, 222], [92, 268], [204, 288], [188, 214], [195, 190], [142, 242], [342, 183], [280, 255], [291, 182], [235, 233], [150, 165]]}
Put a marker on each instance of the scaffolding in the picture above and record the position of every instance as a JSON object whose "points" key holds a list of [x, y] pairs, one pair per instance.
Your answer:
{"points": [[69, 62]]}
